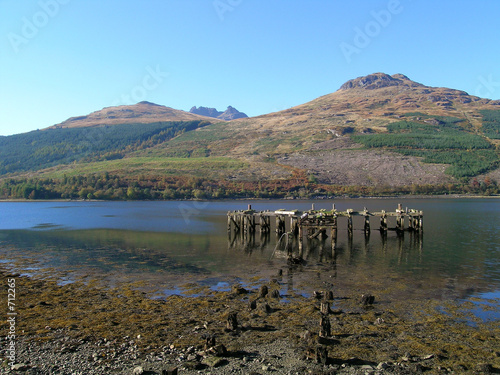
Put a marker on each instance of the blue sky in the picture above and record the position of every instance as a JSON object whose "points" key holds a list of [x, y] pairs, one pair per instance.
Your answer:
{"points": [[63, 58]]}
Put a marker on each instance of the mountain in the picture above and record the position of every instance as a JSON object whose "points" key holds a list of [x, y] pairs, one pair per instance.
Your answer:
{"points": [[229, 114], [376, 134], [370, 128], [143, 112], [205, 111], [379, 99]]}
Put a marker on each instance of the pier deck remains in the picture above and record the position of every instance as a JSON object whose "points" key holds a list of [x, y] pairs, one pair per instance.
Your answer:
{"points": [[317, 223]]}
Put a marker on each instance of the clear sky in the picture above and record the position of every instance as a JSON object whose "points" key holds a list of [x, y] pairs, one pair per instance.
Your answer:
{"points": [[63, 58]]}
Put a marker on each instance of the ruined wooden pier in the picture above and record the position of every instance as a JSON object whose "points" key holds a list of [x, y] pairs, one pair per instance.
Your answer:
{"points": [[317, 223]]}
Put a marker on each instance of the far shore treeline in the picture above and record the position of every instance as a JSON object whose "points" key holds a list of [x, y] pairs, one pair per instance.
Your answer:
{"points": [[113, 187]]}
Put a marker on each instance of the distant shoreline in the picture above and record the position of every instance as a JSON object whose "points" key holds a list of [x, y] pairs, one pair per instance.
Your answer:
{"points": [[404, 197]]}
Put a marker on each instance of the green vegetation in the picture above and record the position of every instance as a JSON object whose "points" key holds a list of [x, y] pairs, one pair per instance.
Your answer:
{"points": [[197, 143], [42, 149], [491, 123], [159, 166], [462, 163], [438, 140]]}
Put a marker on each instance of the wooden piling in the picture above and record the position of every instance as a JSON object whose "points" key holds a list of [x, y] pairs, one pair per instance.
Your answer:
{"points": [[383, 222], [314, 224], [324, 308], [232, 321], [300, 240], [349, 225], [367, 223], [324, 326]]}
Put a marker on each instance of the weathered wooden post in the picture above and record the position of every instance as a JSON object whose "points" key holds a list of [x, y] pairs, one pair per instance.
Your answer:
{"points": [[324, 326], [266, 220], [241, 221], [383, 222], [334, 227], [294, 227], [232, 321], [400, 220], [334, 248], [263, 291], [322, 247], [349, 224], [324, 308], [280, 224], [248, 226], [301, 243], [367, 299], [322, 355], [367, 222]]}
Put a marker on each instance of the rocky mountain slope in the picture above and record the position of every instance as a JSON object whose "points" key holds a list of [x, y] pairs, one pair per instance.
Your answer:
{"points": [[316, 137], [229, 114]]}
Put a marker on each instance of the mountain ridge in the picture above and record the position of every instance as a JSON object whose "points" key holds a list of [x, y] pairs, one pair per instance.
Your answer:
{"points": [[377, 133], [142, 112], [229, 114]]}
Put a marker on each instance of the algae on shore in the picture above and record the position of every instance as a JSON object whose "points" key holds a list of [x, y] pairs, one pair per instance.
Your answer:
{"points": [[443, 333]]}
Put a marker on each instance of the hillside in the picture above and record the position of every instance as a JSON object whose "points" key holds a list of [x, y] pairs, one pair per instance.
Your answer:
{"points": [[143, 112], [331, 138], [377, 134]]}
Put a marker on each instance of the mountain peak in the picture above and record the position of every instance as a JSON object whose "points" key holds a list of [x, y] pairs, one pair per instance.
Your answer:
{"points": [[149, 103], [378, 81], [142, 112], [229, 114]]}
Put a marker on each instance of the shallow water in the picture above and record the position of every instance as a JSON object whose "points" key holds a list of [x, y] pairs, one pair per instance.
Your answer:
{"points": [[165, 245]]}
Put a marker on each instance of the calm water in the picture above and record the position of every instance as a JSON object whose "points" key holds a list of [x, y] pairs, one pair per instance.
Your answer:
{"points": [[167, 244]]}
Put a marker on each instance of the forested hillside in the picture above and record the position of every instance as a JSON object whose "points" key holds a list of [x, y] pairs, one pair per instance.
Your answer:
{"points": [[443, 140], [45, 148]]}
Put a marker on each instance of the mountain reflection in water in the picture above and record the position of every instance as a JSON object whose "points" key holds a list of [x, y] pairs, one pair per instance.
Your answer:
{"points": [[165, 245]]}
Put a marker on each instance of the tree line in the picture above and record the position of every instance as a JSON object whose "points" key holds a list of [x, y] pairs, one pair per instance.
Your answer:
{"points": [[112, 187]]}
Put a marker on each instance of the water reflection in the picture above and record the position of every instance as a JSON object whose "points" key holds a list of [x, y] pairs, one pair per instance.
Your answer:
{"points": [[165, 245]]}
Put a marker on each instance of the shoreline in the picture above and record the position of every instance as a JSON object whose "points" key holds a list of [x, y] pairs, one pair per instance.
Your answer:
{"points": [[85, 328], [403, 197]]}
